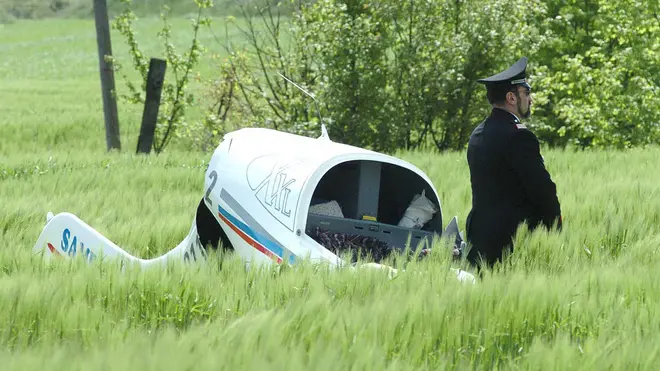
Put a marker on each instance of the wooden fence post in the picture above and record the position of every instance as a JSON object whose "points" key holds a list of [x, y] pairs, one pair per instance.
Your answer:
{"points": [[155, 79], [107, 75]]}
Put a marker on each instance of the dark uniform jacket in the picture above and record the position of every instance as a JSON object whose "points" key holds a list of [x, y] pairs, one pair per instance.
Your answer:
{"points": [[510, 185]]}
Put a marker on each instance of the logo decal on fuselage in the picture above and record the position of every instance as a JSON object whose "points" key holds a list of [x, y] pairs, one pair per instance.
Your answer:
{"points": [[276, 185], [71, 246]]}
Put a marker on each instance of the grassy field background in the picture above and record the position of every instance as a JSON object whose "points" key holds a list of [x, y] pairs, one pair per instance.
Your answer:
{"points": [[583, 299]]}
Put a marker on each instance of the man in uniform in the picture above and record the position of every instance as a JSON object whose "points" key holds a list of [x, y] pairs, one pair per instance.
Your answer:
{"points": [[510, 184]]}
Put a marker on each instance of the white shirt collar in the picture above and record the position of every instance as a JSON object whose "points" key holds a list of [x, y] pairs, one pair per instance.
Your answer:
{"points": [[514, 115], [511, 113]]}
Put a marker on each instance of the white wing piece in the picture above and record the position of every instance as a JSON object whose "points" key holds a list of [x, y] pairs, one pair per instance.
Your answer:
{"points": [[65, 235]]}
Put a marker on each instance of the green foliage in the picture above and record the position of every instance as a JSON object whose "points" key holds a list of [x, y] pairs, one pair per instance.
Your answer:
{"points": [[256, 63], [441, 49], [350, 73], [402, 74], [601, 86], [11, 10], [175, 98]]}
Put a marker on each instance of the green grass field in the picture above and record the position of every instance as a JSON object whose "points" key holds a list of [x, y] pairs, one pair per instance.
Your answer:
{"points": [[583, 299]]}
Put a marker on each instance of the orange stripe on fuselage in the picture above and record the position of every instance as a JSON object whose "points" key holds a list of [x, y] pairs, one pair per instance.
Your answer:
{"points": [[250, 240], [53, 249]]}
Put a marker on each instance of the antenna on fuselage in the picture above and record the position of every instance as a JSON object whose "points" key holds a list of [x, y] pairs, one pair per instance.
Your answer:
{"points": [[324, 132]]}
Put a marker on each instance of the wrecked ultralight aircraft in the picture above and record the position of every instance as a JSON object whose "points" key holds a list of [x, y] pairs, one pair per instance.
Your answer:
{"points": [[275, 198]]}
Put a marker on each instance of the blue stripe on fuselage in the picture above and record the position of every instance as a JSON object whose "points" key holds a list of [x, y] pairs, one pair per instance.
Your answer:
{"points": [[271, 245]]}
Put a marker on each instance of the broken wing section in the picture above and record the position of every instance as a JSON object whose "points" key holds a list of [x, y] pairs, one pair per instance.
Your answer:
{"points": [[67, 236]]}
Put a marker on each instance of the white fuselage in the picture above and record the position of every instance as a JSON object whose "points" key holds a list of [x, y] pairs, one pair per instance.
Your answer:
{"points": [[259, 185]]}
